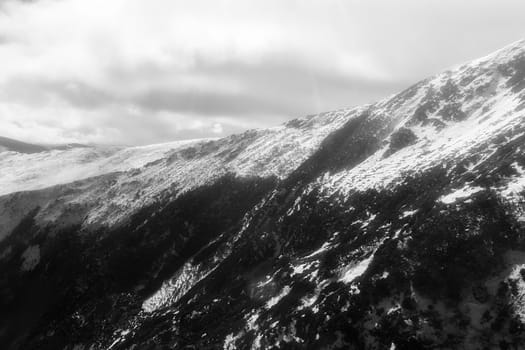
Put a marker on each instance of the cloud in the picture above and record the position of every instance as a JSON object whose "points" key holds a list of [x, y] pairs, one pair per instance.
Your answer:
{"points": [[134, 72], [236, 89]]}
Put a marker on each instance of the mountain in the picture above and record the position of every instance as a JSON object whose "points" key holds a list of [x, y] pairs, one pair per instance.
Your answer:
{"points": [[394, 225], [11, 145]]}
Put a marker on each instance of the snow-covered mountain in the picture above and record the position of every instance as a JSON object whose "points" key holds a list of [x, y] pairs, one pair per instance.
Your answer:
{"points": [[399, 224]]}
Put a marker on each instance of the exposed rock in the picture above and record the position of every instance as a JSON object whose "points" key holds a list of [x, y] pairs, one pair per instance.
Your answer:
{"points": [[402, 138]]}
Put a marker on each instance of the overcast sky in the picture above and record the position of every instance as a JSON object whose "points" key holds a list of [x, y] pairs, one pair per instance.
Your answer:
{"points": [[150, 71]]}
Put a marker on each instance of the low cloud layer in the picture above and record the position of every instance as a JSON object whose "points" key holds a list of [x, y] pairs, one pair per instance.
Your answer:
{"points": [[137, 72]]}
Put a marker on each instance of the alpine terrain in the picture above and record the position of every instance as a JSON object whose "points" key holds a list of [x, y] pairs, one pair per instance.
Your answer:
{"points": [[394, 225]]}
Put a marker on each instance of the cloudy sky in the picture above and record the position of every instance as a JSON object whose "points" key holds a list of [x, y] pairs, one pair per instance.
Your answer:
{"points": [[149, 71]]}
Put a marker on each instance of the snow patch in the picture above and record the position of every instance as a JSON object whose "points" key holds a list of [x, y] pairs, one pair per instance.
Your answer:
{"points": [[516, 260], [301, 268], [408, 213], [230, 340], [516, 184], [274, 300], [356, 270], [30, 258], [459, 194], [174, 288], [323, 248], [308, 301]]}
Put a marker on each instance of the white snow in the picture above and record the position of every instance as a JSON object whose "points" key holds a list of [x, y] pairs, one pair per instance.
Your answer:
{"points": [[488, 115], [353, 271], [461, 193], [515, 261], [301, 268], [250, 322], [274, 300], [368, 221], [175, 287], [257, 342], [309, 300], [30, 258], [515, 184], [229, 341], [324, 247], [117, 182], [408, 213], [23, 172]]}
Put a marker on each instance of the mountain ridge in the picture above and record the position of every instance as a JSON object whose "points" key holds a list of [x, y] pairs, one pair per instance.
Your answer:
{"points": [[7, 144]]}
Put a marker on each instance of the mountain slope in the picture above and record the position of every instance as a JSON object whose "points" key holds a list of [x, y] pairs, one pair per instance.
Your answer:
{"points": [[399, 224], [11, 145]]}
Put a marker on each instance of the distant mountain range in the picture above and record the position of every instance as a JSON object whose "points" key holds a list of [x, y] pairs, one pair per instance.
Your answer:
{"points": [[7, 144], [11, 145], [394, 225]]}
